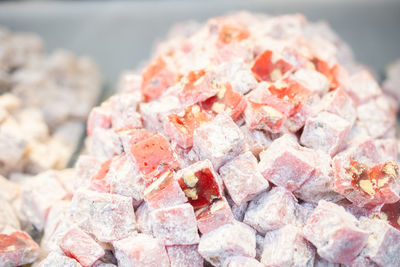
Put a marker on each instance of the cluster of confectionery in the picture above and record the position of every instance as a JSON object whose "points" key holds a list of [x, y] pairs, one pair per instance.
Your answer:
{"points": [[246, 141]]}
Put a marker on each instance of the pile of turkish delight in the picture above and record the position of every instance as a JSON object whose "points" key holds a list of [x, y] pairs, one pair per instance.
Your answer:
{"points": [[248, 141], [44, 102]]}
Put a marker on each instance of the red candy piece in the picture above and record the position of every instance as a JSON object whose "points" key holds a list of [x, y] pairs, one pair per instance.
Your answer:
{"points": [[230, 33], [17, 249], [200, 185], [152, 154], [156, 78], [265, 68], [98, 181], [181, 128], [331, 73], [198, 87], [226, 100], [392, 212]]}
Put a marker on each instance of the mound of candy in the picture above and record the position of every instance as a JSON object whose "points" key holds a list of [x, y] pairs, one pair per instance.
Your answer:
{"points": [[247, 141]]}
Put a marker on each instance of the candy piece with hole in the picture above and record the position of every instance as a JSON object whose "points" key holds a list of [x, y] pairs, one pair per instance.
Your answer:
{"points": [[242, 178], [175, 225], [236, 239], [17, 248], [287, 247], [272, 210], [78, 245], [200, 183], [141, 250], [326, 132], [285, 163], [219, 140], [108, 217], [184, 256], [164, 192], [215, 215], [335, 233]]}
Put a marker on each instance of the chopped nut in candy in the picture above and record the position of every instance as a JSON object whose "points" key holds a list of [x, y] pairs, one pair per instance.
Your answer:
{"points": [[247, 141]]}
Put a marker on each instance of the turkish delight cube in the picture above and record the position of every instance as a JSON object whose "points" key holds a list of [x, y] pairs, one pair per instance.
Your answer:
{"points": [[340, 103], [263, 117], [104, 144], [215, 215], [236, 239], [286, 164], [164, 192], [80, 246], [175, 225], [85, 168], [141, 250], [200, 183], [184, 256], [313, 80], [335, 233], [107, 216], [240, 261], [17, 248], [219, 140], [56, 259], [123, 111], [383, 245], [99, 117], [256, 140], [287, 247], [143, 224], [38, 195], [321, 184], [362, 87], [326, 132], [272, 210], [242, 178]]}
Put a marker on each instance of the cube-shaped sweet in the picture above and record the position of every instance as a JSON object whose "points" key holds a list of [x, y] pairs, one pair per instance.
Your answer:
{"points": [[104, 144], [85, 167], [214, 216], [236, 239], [335, 233], [384, 245], [240, 261], [123, 111], [269, 67], [56, 259], [175, 225], [39, 195], [164, 192], [264, 117], [98, 181], [256, 140], [313, 80], [378, 115], [286, 164], [184, 256], [141, 250], [17, 248], [80, 246], [363, 87], [200, 183], [287, 247], [272, 210], [219, 140], [156, 78], [340, 103], [321, 184], [242, 178], [108, 217], [143, 224], [152, 153], [326, 132], [99, 117], [180, 127]]}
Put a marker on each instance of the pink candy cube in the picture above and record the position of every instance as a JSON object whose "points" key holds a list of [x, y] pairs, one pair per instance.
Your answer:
{"points": [[242, 179], [175, 225], [214, 216], [287, 247], [141, 250], [99, 117], [123, 111], [272, 210], [236, 239], [219, 140], [335, 233], [340, 103], [184, 256], [108, 217], [164, 192], [286, 164], [80, 246], [326, 132], [17, 248], [363, 87]]}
